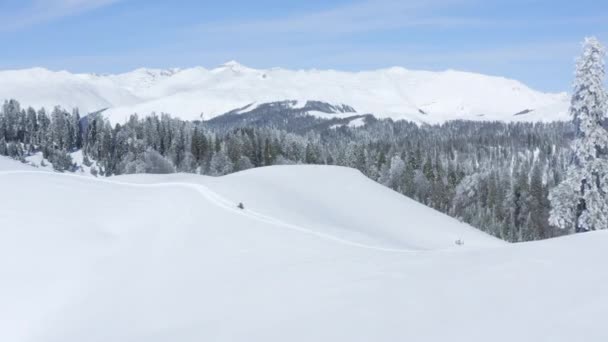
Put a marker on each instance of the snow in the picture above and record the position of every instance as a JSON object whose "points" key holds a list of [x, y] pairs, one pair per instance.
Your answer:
{"points": [[7, 164], [82, 169], [395, 92], [38, 161], [324, 115], [590, 159], [43, 88], [319, 254], [357, 122]]}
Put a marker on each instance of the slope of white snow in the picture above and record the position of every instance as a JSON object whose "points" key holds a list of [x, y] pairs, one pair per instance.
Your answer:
{"points": [[335, 201], [398, 93], [43, 88], [171, 258], [8, 164]]}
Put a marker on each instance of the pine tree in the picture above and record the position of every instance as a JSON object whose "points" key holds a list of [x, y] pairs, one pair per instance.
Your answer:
{"points": [[428, 171], [538, 221], [220, 163], [77, 130], [156, 163], [31, 127], [395, 173], [311, 154], [268, 153], [446, 166], [11, 111], [580, 202]]}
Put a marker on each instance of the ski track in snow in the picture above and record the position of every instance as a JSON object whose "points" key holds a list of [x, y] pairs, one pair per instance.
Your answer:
{"points": [[226, 204]]}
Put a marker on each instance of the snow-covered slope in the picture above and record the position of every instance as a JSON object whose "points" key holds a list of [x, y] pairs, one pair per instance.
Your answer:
{"points": [[43, 88], [338, 202], [321, 254], [8, 164], [398, 93]]}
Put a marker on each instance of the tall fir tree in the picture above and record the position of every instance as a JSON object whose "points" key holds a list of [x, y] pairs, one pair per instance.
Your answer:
{"points": [[580, 202]]}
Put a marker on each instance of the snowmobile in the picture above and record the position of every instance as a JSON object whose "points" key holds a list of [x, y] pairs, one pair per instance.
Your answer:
{"points": [[241, 206]]}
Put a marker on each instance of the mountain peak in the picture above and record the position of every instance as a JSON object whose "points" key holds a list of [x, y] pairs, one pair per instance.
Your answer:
{"points": [[396, 93], [235, 66], [232, 63]]}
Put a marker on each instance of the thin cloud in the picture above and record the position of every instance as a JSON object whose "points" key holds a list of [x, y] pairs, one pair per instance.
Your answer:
{"points": [[37, 12], [352, 18], [385, 15]]}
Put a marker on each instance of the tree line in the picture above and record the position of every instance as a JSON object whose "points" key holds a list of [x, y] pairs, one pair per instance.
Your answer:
{"points": [[495, 176]]}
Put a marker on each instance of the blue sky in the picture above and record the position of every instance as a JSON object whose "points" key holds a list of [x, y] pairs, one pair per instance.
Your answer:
{"points": [[535, 41]]}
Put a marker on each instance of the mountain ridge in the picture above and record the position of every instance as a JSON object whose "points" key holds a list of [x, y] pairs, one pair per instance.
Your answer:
{"points": [[396, 92]]}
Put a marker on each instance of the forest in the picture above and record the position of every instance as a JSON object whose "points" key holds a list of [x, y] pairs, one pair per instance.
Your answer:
{"points": [[495, 176]]}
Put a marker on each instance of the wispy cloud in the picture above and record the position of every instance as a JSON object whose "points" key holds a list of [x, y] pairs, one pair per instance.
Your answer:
{"points": [[351, 18], [386, 15], [34, 12]]}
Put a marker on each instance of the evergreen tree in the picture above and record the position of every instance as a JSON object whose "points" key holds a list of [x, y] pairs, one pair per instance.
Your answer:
{"points": [[220, 163], [492, 175], [395, 173], [580, 202], [538, 224], [156, 163]]}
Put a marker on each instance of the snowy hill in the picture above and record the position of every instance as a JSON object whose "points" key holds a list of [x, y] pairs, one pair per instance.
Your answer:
{"points": [[398, 93], [318, 254]]}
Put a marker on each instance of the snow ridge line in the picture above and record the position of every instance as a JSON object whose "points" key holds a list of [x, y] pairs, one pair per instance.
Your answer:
{"points": [[217, 199], [228, 205]]}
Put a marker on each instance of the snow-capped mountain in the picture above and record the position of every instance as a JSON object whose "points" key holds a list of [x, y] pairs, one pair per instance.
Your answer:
{"points": [[398, 93]]}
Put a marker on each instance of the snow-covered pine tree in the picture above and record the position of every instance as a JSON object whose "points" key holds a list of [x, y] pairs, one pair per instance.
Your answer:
{"points": [[220, 163], [470, 166], [580, 202], [395, 173], [537, 227]]}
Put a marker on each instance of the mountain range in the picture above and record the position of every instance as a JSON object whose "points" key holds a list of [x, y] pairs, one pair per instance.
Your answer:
{"points": [[199, 93]]}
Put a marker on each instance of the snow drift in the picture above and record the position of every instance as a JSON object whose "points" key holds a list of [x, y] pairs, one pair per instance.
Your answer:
{"points": [[420, 96], [318, 254]]}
